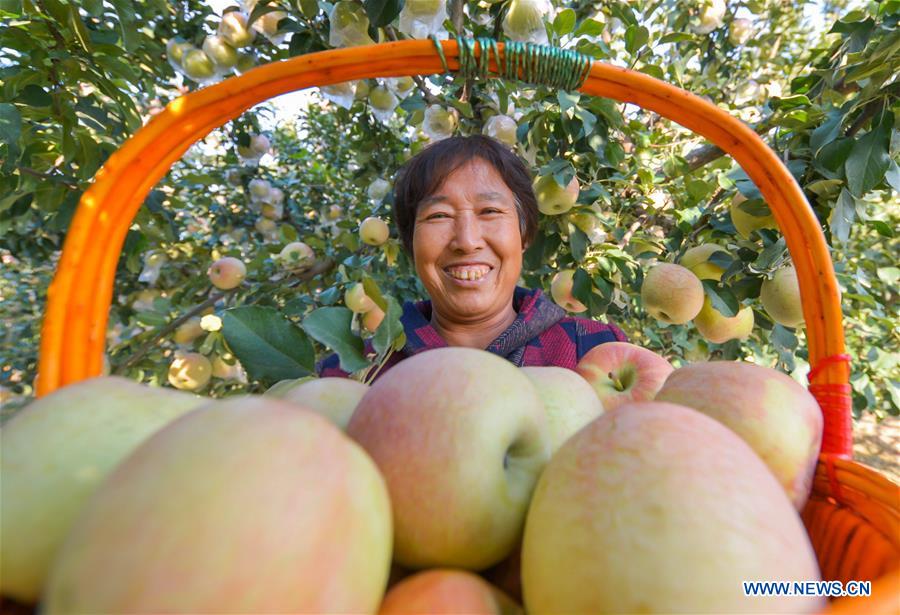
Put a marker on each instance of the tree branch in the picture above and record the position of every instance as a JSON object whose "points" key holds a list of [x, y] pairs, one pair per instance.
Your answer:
{"points": [[54, 178], [318, 268], [707, 153]]}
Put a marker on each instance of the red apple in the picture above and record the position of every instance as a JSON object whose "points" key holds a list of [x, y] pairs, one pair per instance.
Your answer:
{"points": [[622, 373], [446, 591]]}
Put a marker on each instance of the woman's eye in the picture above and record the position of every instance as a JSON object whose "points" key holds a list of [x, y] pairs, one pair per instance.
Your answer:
{"points": [[433, 216]]}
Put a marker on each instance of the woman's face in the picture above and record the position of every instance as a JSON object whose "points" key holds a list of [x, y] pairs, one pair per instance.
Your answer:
{"points": [[467, 244]]}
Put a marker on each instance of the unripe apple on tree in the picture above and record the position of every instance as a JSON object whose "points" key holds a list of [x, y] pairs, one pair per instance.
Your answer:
{"points": [[267, 25], [335, 212], [348, 25], [164, 532], [780, 297], [246, 61], [190, 371], [622, 373], [378, 189], [778, 417], [552, 198], [226, 273], [456, 459], [717, 328], [265, 226], [524, 20], [233, 28], [223, 55], [259, 188], [672, 293], [697, 260], [712, 16], [372, 319], [745, 222], [176, 49], [296, 255], [357, 300], [260, 144], [188, 331], [333, 398], [561, 291], [224, 370], [740, 31], [401, 86], [197, 65], [503, 128], [439, 123], [272, 211], [447, 591], [382, 99], [569, 401], [374, 231], [656, 508]]}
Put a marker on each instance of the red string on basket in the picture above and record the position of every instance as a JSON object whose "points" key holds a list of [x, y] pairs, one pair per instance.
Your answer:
{"points": [[835, 401]]}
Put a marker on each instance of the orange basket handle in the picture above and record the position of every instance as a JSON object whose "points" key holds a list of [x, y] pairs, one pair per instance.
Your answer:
{"points": [[79, 298]]}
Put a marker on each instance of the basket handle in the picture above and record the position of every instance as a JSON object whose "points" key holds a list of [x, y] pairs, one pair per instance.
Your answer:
{"points": [[74, 327]]}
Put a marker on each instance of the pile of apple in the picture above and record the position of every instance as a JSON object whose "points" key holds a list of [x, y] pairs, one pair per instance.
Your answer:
{"points": [[457, 482]]}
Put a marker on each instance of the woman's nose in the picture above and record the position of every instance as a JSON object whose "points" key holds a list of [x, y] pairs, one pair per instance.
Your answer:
{"points": [[468, 234]]}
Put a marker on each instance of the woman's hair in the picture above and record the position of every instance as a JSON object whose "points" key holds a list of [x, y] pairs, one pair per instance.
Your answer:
{"points": [[422, 174]]}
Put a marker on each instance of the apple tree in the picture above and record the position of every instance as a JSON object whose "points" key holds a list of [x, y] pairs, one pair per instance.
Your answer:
{"points": [[287, 194]]}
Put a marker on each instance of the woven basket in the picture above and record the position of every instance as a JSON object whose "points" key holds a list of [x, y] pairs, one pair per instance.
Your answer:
{"points": [[853, 516]]}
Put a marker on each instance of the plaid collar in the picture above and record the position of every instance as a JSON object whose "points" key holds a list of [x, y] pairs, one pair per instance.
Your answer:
{"points": [[535, 314]]}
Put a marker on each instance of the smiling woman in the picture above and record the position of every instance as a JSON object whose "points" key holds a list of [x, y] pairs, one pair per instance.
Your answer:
{"points": [[466, 211]]}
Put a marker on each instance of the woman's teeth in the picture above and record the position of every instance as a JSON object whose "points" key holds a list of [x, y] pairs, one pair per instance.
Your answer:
{"points": [[468, 273]]}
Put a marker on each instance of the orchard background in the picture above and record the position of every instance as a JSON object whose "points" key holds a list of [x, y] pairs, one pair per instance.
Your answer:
{"points": [[818, 81]]}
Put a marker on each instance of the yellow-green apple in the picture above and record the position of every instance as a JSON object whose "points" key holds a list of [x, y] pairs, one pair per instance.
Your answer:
{"points": [[780, 297], [265, 226], [372, 319], [272, 211], [348, 25], [267, 25], [259, 188], [740, 31], [374, 231], [190, 371], [672, 293], [335, 212], [561, 291], [656, 508], [439, 122], [260, 144], [227, 272], [697, 260], [197, 65], [276, 196], [56, 452], [188, 331], [745, 222], [717, 328], [503, 128], [249, 506], [176, 48], [224, 370], [773, 413], [621, 373], [296, 255], [382, 99], [712, 16], [233, 28], [402, 85], [246, 61], [569, 401], [424, 7], [447, 591], [357, 300], [460, 436], [524, 20], [362, 90], [144, 300], [333, 398], [223, 55], [552, 198]]}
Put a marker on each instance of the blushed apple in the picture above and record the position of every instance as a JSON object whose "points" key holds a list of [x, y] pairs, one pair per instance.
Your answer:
{"points": [[569, 401], [621, 373], [227, 273], [780, 297], [447, 591], [775, 415], [561, 291], [672, 293], [460, 436], [718, 328], [357, 300]]}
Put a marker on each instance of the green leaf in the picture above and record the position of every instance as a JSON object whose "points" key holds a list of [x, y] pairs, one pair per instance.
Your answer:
{"points": [[869, 160], [10, 131], [827, 132], [789, 102], [269, 346], [390, 328], [330, 326], [564, 22], [842, 216], [636, 37], [833, 155], [128, 26], [893, 176], [382, 12], [721, 298], [35, 96], [567, 100], [588, 27], [582, 288], [771, 255], [579, 243]]}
